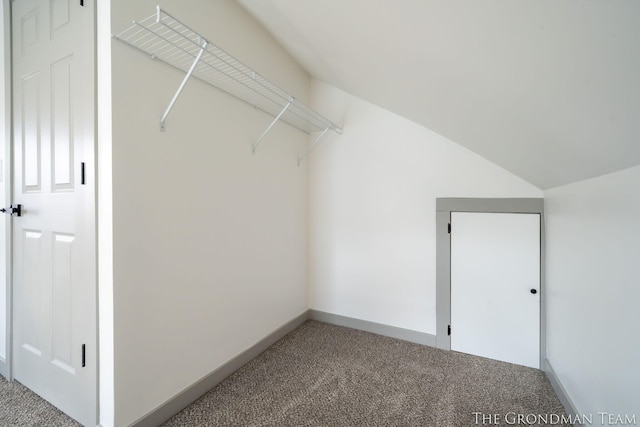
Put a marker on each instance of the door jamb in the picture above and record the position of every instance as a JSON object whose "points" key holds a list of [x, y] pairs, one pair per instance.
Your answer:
{"points": [[6, 366], [444, 207]]}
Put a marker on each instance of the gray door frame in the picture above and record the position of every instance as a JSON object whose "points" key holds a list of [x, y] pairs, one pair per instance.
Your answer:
{"points": [[444, 207]]}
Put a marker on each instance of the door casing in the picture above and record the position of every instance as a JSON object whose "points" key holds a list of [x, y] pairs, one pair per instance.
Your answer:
{"points": [[6, 310], [444, 207]]}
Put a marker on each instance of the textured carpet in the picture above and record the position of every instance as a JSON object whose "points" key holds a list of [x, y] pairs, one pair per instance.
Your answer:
{"points": [[19, 406], [324, 375]]}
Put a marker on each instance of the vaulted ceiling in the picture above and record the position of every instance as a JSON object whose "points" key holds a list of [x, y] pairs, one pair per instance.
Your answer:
{"points": [[547, 89]]}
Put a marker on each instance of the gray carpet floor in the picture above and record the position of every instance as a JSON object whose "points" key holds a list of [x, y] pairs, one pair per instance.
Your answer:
{"points": [[325, 375], [19, 406]]}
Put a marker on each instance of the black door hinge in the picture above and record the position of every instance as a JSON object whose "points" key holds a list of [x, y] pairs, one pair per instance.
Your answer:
{"points": [[449, 330], [81, 2], [82, 179], [84, 355], [449, 228]]}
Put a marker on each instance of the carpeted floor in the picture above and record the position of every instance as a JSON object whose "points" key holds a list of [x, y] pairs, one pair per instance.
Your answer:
{"points": [[19, 406], [324, 375]]}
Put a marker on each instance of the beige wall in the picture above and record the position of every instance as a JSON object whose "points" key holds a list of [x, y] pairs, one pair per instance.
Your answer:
{"points": [[209, 241]]}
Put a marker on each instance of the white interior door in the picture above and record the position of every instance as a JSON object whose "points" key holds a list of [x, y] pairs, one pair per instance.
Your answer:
{"points": [[495, 284], [54, 282]]}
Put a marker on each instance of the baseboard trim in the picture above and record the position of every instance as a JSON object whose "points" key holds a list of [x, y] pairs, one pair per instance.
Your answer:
{"points": [[183, 399], [375, 328], [192, 393], [566, 401]]}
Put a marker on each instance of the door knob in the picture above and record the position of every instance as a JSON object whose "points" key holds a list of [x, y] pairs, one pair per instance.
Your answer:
{"points": [[533, 291], [13, 210]]}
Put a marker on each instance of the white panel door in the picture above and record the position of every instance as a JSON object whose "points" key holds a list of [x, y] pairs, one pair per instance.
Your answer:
{"points": [[54, 283], [495, 284]]}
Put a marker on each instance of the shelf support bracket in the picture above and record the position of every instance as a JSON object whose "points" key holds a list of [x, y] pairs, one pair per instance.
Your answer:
{"points": [[182, 85], [313, 144], [266, 131]]}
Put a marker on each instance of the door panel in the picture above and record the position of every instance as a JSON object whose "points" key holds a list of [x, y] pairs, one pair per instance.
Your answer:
{"points": [[62, 132], [495, 263], [29, 116], [54, 283], [32, 307], [62, 303]]}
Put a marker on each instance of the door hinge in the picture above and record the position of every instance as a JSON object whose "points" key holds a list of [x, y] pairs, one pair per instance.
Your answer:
{"points": [[81, 2], [449, 330], [84, 355], [449, 228], [82, 180]]}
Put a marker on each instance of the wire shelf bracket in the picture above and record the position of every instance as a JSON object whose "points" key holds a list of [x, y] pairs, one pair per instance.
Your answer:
{"points": [[266, 131], [313, 144], [167, 39], [182, 85]]}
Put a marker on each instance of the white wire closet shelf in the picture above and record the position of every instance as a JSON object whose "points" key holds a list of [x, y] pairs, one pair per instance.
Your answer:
{"points": [[167, 39]]}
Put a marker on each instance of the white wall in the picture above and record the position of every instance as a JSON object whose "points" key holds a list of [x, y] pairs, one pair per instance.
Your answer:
{"points": [[593, 291], [373, 197], [209, 241]]}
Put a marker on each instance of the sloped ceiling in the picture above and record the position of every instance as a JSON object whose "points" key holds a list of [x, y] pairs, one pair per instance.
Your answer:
{"points": [[547, 89]]}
